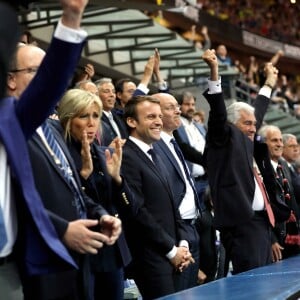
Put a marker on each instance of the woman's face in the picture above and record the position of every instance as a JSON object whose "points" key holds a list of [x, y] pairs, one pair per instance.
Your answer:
{"points": [[88, 121]]}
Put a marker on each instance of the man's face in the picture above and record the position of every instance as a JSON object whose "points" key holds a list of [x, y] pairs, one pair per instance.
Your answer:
{"points": [[291, 150], [188, 108], [107, 94], [148, 125], [171, 113], [247, 124], [29, 59], [275, 145], [128, 90]]}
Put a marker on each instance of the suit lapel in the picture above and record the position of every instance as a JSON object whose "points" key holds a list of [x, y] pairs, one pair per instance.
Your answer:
{"points": [[147, 161], [162, 147]]}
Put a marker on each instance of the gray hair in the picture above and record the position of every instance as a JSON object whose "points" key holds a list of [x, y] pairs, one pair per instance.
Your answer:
{"points": [[234, 111], [263, 131], [287, 136], [102, 81]]}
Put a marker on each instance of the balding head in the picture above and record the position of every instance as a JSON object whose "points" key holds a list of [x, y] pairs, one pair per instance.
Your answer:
{"points": [[170, 111], [273, 138], [23, 68]]}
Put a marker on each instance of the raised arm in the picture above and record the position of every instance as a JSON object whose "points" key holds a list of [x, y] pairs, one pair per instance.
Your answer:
{"points": [[56, 69]]}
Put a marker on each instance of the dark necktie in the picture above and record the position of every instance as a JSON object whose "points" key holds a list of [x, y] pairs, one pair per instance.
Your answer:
{"points": [[265, 196], [157, 162], [64, 166], [283, 181], [186, 171], [3, 235], [181, 158]]}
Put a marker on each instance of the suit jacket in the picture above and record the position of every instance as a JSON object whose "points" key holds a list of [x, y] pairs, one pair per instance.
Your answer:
{"points": [[155, 226], [108, 132], [175, 176], [38, 242], [190, 153], [230, 164], [58, 199], [102, 189]]}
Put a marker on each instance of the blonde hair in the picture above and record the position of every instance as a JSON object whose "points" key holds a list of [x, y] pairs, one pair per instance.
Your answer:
{"points": [[72, 104]]}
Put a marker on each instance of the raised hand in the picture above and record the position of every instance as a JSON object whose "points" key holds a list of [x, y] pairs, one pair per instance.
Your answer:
{"points": [[148, 71], [86, 158], [271, 74], [209, 56], [72, 12], [114, 160]]}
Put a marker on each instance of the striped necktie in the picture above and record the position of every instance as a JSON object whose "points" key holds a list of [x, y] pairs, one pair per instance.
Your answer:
{"points": [[3, 235], [64, 166]]}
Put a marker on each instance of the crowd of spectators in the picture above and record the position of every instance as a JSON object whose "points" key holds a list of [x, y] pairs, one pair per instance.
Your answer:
{"points": [[277, 20], [157, 150]]}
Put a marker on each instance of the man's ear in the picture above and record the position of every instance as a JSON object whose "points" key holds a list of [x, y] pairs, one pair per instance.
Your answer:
{"points": [[131, 122], [119, 94], [11, 82]]}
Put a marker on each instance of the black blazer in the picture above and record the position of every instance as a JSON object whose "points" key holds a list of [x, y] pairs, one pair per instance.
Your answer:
{"points": [[55, 191], [155, 226], [102, 189], [108, 132], [230, 164]]}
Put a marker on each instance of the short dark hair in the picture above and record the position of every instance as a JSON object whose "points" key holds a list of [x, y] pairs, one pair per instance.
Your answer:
{"points": [[182, 96], [130, 110], [119, 84]]}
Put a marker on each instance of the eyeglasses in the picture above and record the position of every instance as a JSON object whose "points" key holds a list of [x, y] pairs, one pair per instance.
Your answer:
{"points": [[27, 70], [172, 107]]}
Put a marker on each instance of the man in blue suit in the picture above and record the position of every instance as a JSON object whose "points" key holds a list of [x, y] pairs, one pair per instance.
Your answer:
{"points": [[39, 249], [184, 192], [191, 138]]}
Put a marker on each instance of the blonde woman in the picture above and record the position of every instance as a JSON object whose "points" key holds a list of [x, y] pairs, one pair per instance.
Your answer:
{"points": [[80, 112]]}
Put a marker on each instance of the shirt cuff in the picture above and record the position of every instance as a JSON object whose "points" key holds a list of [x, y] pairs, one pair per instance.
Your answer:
{"points": [[184, 243], [172, 253], [214, 87], [69, 35], [163, 86], [265, 91], [143, 88]]}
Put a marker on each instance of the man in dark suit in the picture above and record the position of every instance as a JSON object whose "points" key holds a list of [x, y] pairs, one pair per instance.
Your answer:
{"points": [[291, 154], [112, 125], [191, 138], [286, 235], [155, 230], [181, 183], [56, 278], [239, 202], [38, 241]]}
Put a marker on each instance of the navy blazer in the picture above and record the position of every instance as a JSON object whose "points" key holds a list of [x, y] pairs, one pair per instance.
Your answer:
{"points": [[39, 242], [102, 189], [108, 132], [190, 153], [156, 225]]}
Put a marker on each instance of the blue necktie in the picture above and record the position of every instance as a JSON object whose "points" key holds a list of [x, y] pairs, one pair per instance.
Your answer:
{"points": [[61, 160], [3, 235], [186, 171]]}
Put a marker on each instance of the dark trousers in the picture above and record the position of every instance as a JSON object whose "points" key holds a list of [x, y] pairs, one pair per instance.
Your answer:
{"points": [[248, 245], [153, 286], [188, 278], [109, 285]]}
